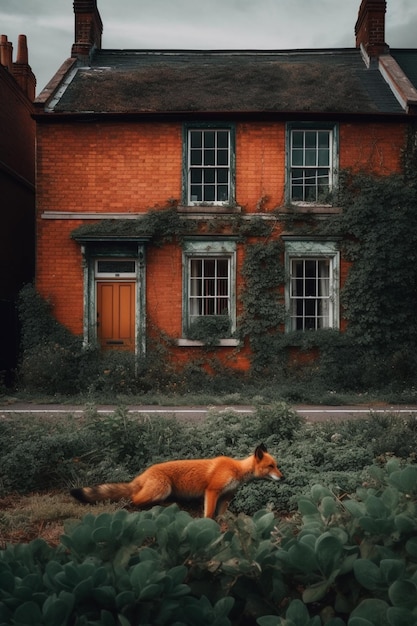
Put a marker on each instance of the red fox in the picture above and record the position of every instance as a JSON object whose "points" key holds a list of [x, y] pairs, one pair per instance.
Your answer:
{"points": [[214, 479]]}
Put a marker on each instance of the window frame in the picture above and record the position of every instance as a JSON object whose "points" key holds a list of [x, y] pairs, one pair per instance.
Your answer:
{"points": [[313, 250], [186, 191], [208, 249], [333, 167]]}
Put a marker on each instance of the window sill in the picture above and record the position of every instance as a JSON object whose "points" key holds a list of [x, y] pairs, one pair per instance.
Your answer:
{"points": [[207, 209], [317, 209], [191, 343]]}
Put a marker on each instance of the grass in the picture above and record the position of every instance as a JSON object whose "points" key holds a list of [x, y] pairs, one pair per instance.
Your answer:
{"points": [[26, 517], [292, 393], [43, 458]]}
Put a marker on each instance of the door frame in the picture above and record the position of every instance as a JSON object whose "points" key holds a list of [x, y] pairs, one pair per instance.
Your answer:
{"points": [[93, 251]]}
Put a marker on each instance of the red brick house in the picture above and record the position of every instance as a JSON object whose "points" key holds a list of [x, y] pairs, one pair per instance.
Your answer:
{"points": [[17, 190], [223, 138]]}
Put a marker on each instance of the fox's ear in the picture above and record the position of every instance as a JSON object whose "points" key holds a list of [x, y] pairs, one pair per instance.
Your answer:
{"points": [[259, 452]]}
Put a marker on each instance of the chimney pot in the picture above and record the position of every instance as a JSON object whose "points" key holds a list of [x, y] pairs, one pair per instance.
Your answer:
{"points": [[21, 69], [6, 50], [22, 50]]}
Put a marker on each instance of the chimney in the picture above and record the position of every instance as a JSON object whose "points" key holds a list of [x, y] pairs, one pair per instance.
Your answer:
{"points": [[6, 53], [88, 28], [370, 28], [22, 71]]}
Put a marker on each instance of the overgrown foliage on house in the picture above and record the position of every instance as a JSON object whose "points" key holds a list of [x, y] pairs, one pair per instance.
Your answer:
{"points": [[378, 234]]}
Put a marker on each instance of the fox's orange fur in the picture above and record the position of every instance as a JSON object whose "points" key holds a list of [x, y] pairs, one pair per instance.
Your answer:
{"points": [[214, 479]]}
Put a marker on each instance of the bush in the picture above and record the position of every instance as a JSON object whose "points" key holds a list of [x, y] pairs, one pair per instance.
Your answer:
{"points": [[94, 448], [337, 562]]}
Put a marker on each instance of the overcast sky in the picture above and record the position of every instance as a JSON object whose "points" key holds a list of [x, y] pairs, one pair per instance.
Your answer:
{"points": [[197, 24]]}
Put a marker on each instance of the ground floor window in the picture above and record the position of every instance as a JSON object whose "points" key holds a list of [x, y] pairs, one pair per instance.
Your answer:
{"points": [[312, 289], [209, 281]]}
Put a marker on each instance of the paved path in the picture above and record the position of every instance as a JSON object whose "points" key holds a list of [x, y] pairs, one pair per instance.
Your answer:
{"points": [[198, 413]]}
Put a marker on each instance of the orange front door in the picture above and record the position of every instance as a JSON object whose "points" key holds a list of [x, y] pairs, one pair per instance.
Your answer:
{"points": [[116, 315]]}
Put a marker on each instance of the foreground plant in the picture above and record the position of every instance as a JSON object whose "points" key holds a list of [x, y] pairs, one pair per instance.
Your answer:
{"points": [[338, 562]]}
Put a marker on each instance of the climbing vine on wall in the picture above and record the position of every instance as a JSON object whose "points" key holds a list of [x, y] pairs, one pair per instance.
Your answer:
{"points": [[262, 303], [380, 295]]}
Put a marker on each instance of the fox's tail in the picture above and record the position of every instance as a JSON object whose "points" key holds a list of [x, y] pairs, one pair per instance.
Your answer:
{"points": [[110, 491]]}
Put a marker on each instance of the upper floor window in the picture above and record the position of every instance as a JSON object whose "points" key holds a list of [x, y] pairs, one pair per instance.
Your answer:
{"points": [[312, 290], [311, 164], [209, 158]]}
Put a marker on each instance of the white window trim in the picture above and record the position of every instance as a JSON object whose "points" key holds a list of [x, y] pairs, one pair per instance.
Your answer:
{"points": [[231, 202], [208, 248], [334, 159], [304, 249]]}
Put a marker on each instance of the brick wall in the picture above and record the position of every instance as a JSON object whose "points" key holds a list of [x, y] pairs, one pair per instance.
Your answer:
{"points": [[108, 168], [121, 167], [372, 147], [17, 210]]}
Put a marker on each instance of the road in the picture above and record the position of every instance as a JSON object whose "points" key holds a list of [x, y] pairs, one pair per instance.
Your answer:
{"points": [[315, 413]]}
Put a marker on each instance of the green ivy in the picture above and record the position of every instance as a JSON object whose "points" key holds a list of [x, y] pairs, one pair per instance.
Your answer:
{"points": [[380, 296], [209, 329], [262, 301]]}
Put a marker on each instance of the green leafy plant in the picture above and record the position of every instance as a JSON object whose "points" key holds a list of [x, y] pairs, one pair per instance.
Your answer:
{"points": [[209, 329], [348, 561]]}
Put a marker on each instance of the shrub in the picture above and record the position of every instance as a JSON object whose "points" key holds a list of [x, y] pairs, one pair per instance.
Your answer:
{"points": [[338, 561]]}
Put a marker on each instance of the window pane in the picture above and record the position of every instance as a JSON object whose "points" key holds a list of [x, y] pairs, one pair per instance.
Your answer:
{"points": [[209, 141], [196, 267], [209, 267], [196, 176], [209, 176], [223, 139], [298, 139], [323, 139], [196, 139], [196, 193], [196, 157], [222, 267], [209, 157], [222, 157], [115, 267], [223, 176], [209, 193], [222, 193], [310, 158], [297, 157], [310, 139]]}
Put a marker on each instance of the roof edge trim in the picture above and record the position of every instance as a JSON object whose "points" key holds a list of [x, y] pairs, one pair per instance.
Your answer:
{"points": [[399, 83]]}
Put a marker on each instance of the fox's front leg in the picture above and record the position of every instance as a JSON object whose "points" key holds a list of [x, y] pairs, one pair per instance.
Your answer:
{"points": [[210, 502]]}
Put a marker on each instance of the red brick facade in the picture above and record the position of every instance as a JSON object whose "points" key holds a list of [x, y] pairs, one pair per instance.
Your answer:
{"points": [[114, 142], [134, 167]]}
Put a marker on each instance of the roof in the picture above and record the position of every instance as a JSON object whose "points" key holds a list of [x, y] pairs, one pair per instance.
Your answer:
{"points": [[185, 81], [407, 60]]}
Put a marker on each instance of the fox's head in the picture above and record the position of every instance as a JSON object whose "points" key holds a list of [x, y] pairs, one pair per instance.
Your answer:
{"points": [[265, 464]]}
